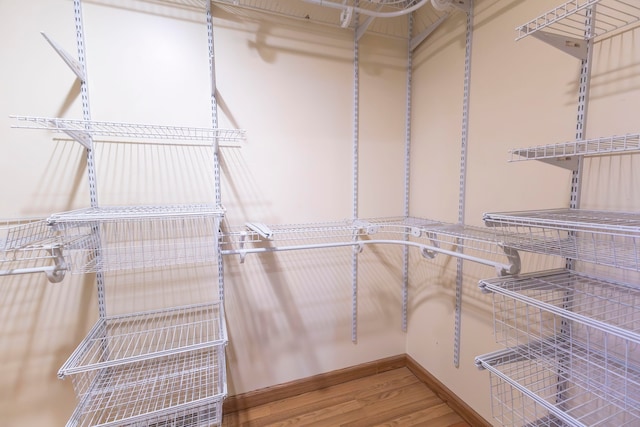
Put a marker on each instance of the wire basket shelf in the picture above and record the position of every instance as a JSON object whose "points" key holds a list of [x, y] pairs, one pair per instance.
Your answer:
{"points": [[599, 237], [569, 19], [533, 392], [618, 144], [584, 329], [180, 389], [121, 238], [124, 339]]}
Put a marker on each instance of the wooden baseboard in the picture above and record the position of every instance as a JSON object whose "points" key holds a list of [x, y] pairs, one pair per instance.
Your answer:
{"points": [[305, 385], [294, 388], [443, 392]]}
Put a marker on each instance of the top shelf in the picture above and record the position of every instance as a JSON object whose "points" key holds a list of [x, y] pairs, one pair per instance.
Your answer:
{"points": [[570, 18]]}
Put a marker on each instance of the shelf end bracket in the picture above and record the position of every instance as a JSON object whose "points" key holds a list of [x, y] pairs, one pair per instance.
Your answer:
{"points": [[573, 46], [75, 66]]}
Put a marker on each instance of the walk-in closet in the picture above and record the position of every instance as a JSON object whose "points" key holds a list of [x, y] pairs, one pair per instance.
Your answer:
{"points": [[320, 212]]}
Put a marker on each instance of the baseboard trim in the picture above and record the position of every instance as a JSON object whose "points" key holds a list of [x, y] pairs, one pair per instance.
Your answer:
{"points": [[294, 388], [316, 382], [443, 392]]}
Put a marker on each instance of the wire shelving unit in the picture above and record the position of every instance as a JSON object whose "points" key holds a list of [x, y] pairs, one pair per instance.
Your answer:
{"points": [[599, 237], [132, 369], [573, 345], [120, 238], [569, 18]]}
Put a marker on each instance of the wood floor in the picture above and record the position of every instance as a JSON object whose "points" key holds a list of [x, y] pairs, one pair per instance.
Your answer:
{"points": [[391, 398]]}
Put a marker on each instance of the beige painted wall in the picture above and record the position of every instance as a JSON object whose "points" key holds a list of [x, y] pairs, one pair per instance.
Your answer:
{"points": [[291, 86]]}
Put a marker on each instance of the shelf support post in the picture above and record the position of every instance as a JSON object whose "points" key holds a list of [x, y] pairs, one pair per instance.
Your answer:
{"points": [[356, 136], [407, 173], [463, 182]]}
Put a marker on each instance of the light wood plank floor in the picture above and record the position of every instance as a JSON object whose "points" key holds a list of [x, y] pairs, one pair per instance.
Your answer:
{"points": [[391, 398]]}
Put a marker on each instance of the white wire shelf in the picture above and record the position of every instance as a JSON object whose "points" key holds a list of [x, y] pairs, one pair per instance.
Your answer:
{"points": [[569, 19], [379, 17], [83, 130], [121, 238], [599, 237], [30, 246], [432, 237], [587, 329], [129, 338], [606, 305], [536, 391], [618, 144], [177, 390]]}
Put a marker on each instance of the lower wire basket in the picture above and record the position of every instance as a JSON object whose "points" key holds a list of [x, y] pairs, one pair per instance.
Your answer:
{"points": [[157, 368], [185, 389]]}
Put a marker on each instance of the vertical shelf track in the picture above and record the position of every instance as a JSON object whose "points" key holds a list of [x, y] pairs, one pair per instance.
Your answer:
{"points": [[216, 147], [463, 183], [356, 137], [91, 165], [576, 181], [407, 174]]}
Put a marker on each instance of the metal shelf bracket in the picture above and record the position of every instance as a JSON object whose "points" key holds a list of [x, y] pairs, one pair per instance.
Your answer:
{"points": [[572, 45], [73, 63]]}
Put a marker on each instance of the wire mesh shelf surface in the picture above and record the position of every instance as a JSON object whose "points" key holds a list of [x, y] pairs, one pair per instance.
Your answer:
{"points": [[17, 234], [180, 389], [569, 18], [538, 391], [588, 147], [129, 130], [586, 330], [342, 14], [600, 237], [120, 238], [393, 228], [123, 339]]}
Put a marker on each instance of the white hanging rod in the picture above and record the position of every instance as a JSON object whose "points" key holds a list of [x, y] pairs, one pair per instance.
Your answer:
{"points": [[54, 273], [427, 251]]}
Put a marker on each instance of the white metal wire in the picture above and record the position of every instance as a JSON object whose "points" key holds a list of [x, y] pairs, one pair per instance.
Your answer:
{"points": [[600, 237], [341, 14], [569, 18], [628, 143], [22, 233], [586, 330], [525, 392], [120, 238], [129, 130], [128, 338], [176, 390]]}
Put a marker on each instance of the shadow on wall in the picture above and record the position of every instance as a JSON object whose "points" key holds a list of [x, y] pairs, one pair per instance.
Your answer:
{"points": [[40, 326]]}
